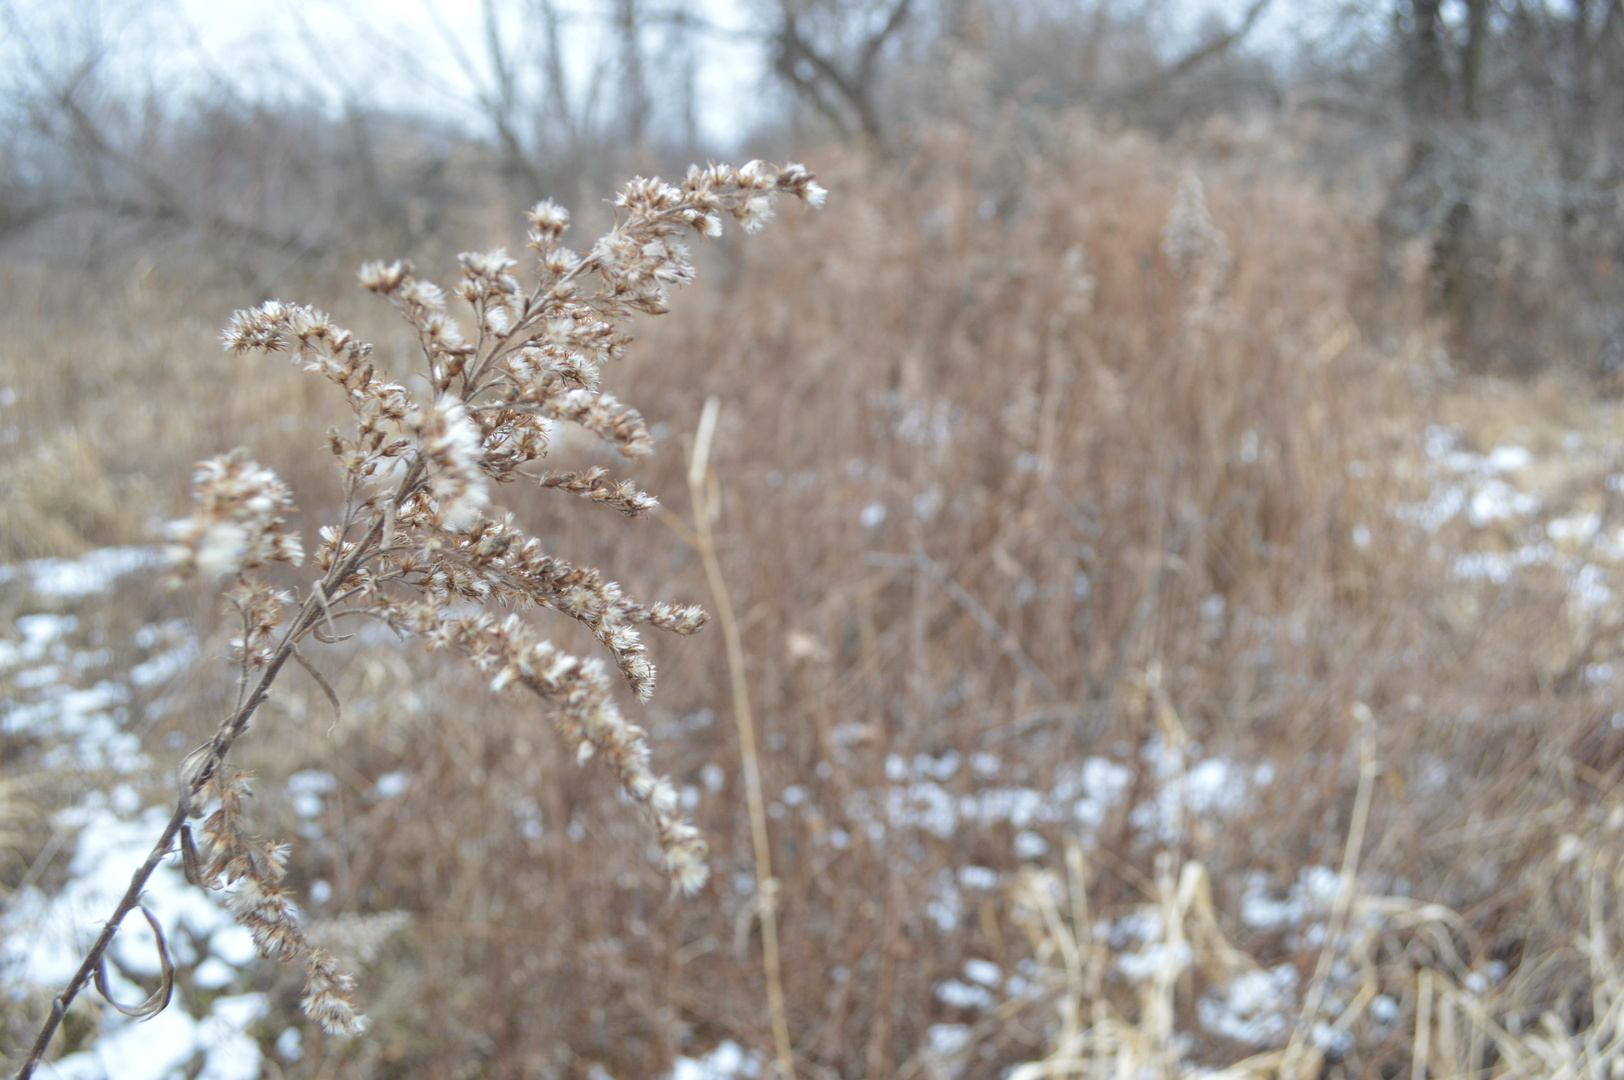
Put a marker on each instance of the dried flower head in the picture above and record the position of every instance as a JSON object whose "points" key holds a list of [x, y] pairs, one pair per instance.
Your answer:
{"points": [[238, 522], [1190, 237], [252, 874], [418, 543], [1197, 248], [453, 448]]}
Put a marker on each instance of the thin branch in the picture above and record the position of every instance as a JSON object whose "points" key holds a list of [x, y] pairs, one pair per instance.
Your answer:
{"points": [[1200, 54], [793, 49], [876, 43], [218, 747]]}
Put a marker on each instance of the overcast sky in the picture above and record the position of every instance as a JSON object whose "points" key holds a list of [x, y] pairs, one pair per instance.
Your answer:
{"points": [[405, 53]]}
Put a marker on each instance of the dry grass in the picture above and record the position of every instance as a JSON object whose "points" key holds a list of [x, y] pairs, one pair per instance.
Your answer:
{"points": [[997, 485]]}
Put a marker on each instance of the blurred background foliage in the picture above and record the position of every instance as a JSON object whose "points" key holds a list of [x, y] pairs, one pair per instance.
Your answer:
{"points": [[1486, 132], [1160, 383]]}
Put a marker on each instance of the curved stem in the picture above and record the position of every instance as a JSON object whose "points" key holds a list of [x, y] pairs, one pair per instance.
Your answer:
{"points": [[222, 741]]}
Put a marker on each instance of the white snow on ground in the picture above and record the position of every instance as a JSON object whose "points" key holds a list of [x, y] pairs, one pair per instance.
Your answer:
{"points": [[1158, 959], [728, 1061], [984, 972], [978, 877], [945, 905], [164, 666], [963, 995], [942, 796], [1470, 484], [946, 1046], [1253, 1007], [1481, 490], [88, 576], [162, 1047], [923, 796], [1311, 895], [307, 788], [43, 938], [391, 784]]}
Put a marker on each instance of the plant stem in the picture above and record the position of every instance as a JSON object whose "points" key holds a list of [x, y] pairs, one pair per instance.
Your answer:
{"points": [[219, 747], [766, 884], [132, 896]]}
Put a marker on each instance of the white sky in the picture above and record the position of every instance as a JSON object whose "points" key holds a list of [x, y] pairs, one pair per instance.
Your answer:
{"points": [[327, 51], [396, 53], [337, 48]]}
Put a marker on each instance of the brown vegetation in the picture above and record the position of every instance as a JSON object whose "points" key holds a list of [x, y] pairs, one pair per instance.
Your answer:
{"points": [[1079, 502], [1015, 466]]}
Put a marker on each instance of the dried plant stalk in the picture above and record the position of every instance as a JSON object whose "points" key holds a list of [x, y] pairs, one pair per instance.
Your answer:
{"points": [[419, 545], [761, 849]]}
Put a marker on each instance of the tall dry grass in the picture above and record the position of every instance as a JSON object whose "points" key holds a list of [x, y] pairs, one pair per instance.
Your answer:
{"points": [[1009, 472]]}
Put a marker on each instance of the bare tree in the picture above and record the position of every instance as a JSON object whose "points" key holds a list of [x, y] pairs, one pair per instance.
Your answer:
{"points": [[100, 145], [840, 57], [1213, 47], [1509, 108], [829, 53], [562, 93], [634, 92]]}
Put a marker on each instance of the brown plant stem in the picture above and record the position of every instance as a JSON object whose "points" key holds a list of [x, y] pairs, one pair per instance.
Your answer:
{"points": [[1342, 904], [766, 884], [219, 746]]}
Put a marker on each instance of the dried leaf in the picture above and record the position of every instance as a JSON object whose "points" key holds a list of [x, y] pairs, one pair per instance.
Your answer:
{"points": [[191, 863], [159, 1000], [193, 774], [321, 680]]}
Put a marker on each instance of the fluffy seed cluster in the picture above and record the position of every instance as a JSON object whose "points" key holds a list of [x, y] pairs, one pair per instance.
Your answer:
{"points": [[419, 544], [239, 520], [1197, 248], [453, 446], [252, 875], [496, 560], [578, 694], [260, 608]]}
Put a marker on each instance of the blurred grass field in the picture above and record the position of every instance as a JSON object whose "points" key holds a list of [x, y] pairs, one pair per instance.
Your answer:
{"points": [[1065, 568]]}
